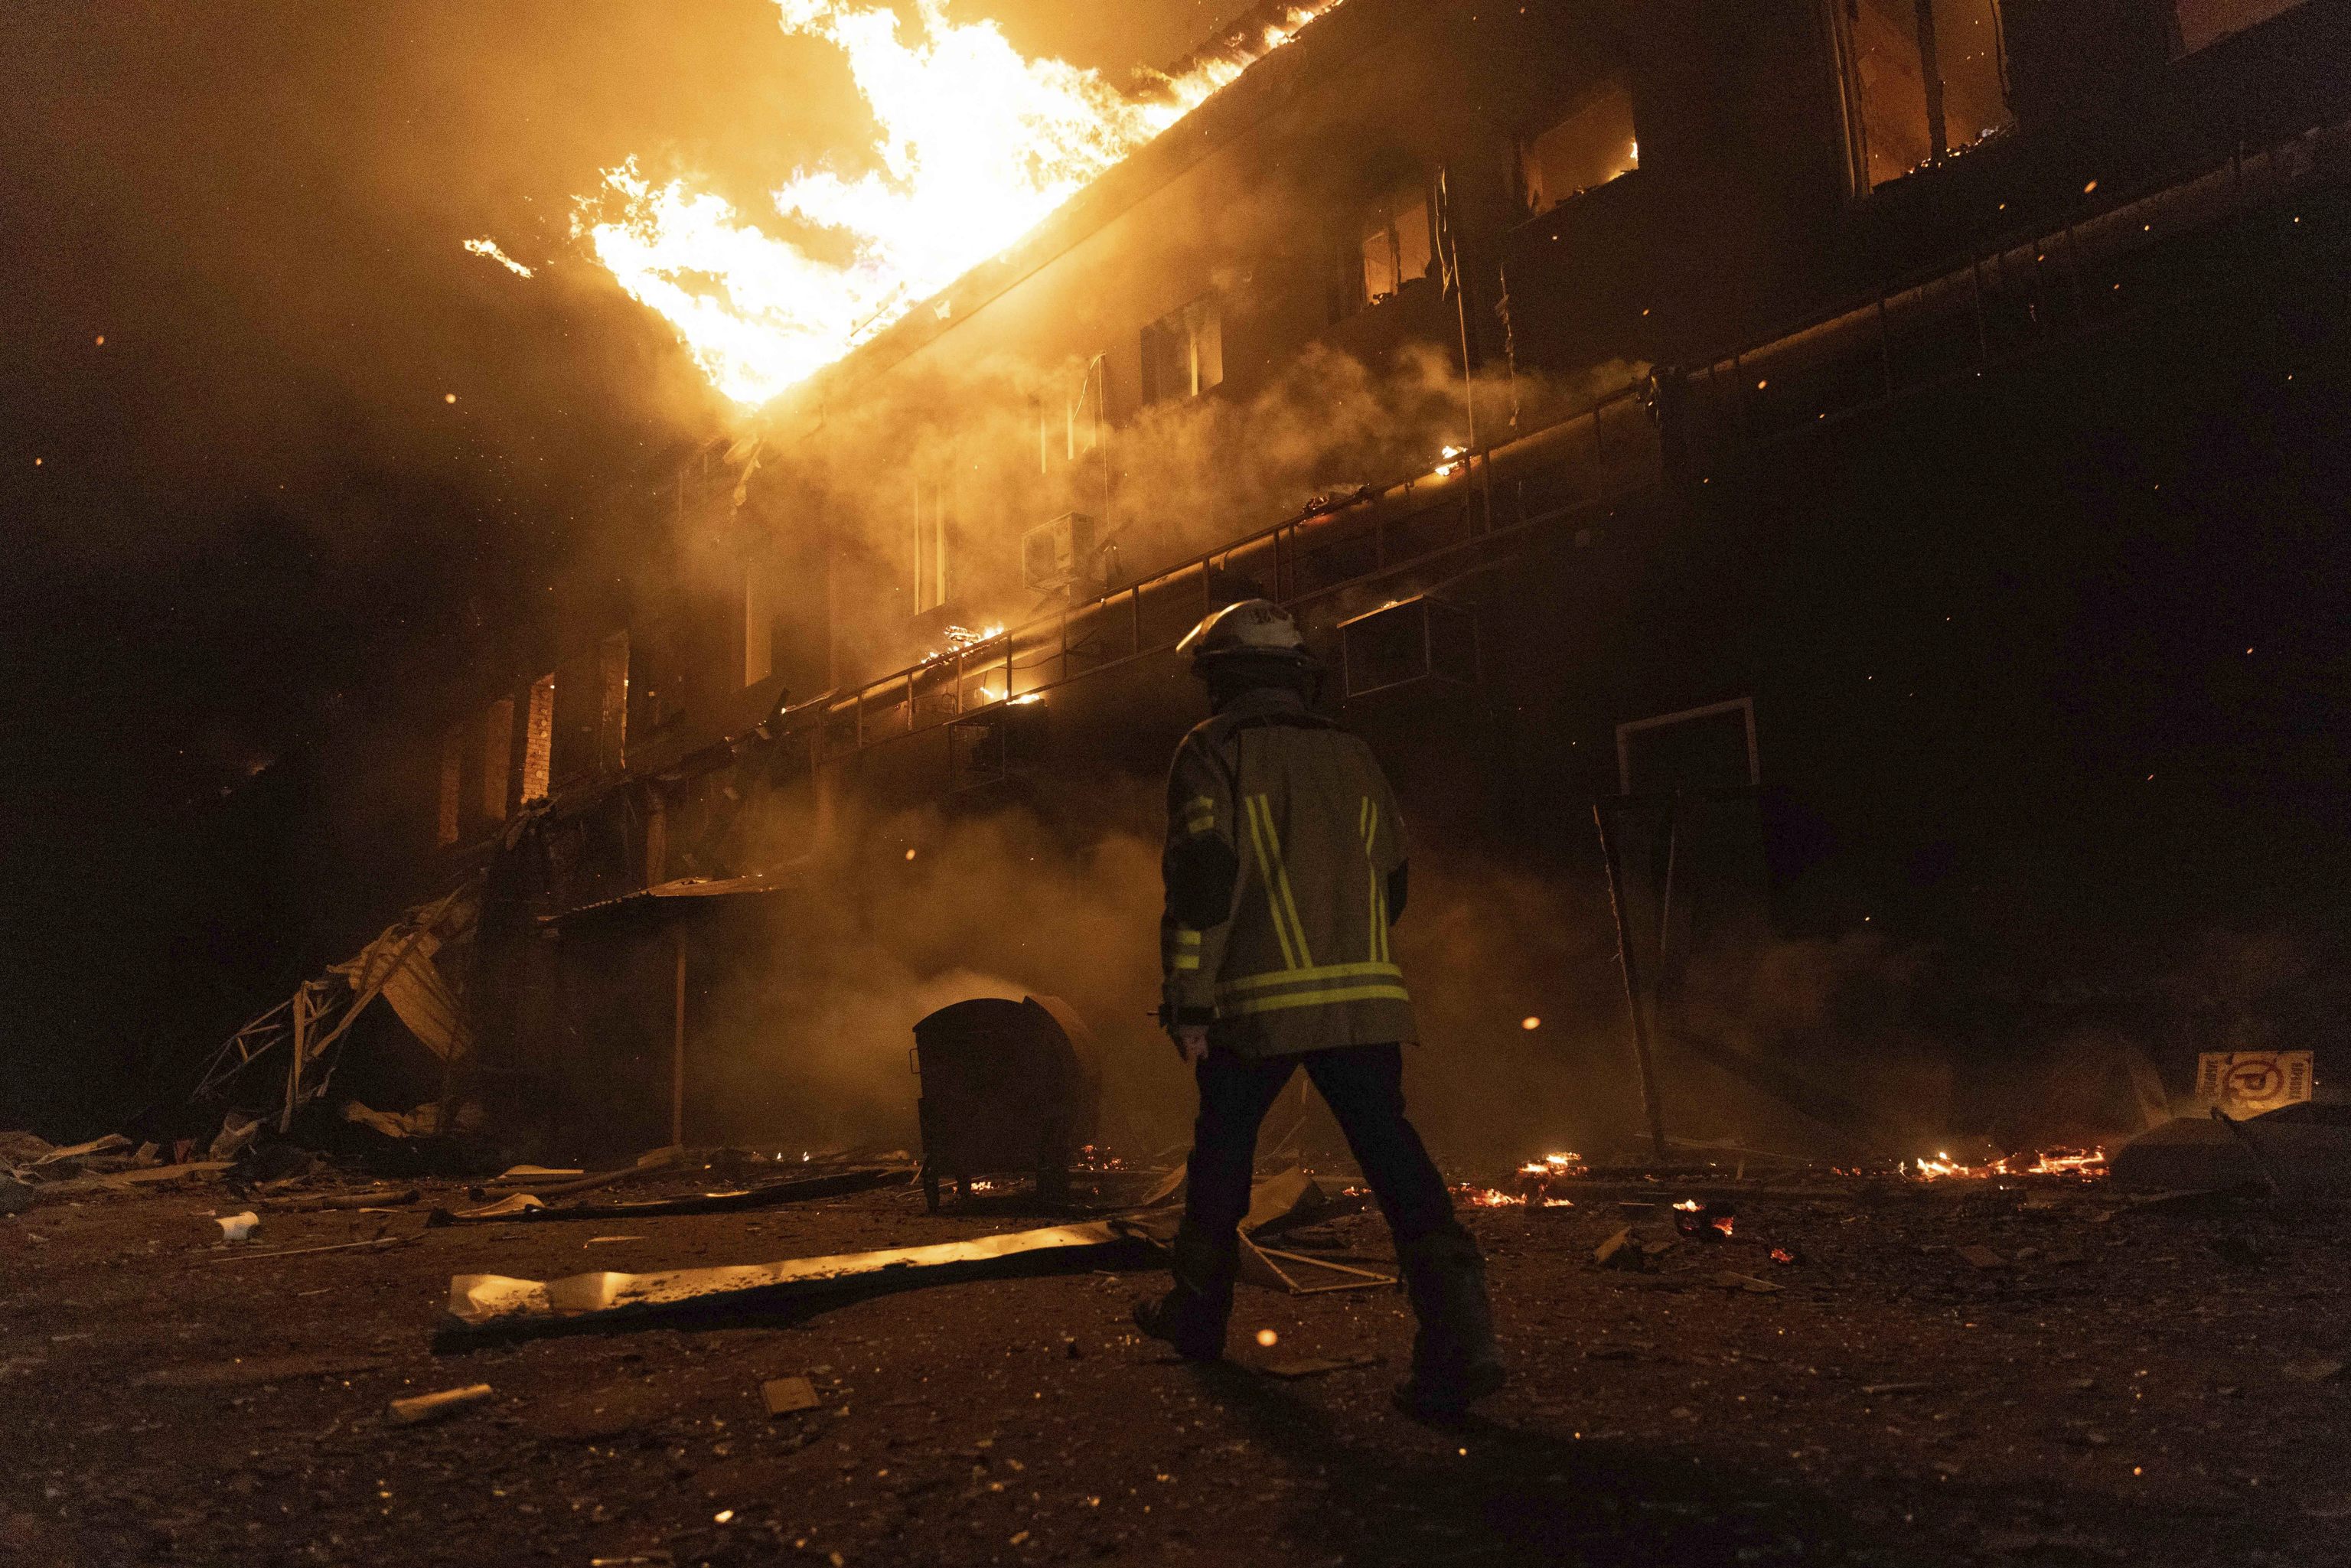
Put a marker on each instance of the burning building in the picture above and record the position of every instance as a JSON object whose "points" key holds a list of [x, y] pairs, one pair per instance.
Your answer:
{"points": [[1754, 474]]}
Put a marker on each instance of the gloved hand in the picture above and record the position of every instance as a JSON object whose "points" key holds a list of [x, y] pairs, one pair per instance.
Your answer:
{"points": [[1191, 1043]]}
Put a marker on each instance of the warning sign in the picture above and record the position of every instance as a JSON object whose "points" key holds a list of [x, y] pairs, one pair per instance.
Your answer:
{"points": [[2252, 1080]]}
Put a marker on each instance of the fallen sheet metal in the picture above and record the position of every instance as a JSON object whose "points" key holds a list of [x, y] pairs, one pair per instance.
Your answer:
{"points": [[492, 1301], [524, 1206], [789, 1395]]}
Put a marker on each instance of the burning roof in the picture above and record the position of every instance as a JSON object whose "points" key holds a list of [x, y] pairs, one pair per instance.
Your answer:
{"points": [[978, 145]]}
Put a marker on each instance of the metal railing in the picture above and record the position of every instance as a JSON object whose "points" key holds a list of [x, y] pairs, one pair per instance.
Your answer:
{"points": [[1600, 454]]}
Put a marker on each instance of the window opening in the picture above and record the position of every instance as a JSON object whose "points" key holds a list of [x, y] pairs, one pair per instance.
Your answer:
{"points": [[612, 712], [453, 774], [1698, 749], [1593, 146], [497, 758], [930, 544], [759, 624], [1086, 413], [1924, 79], [1397, 245], [538, 739], [1184, 351]]}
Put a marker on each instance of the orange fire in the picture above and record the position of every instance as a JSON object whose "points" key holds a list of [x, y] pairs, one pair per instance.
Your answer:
{"points": [[1533, 1185], [2083, 1163], [977, 146]]}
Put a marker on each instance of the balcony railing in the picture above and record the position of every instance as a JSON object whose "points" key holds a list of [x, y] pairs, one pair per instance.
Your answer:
{"points": [[1604, 453]]}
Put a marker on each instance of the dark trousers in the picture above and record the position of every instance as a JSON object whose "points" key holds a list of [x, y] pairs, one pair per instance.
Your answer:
{"points": [[1363, 1086]]}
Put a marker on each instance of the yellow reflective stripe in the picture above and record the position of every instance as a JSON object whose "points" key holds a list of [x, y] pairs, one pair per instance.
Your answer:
{"points": [[1260, 832], [1186, 938], [1280, 873], [1307, 977], [1202, 804], [1329, 998], [1196, 826], [1367, 822], [1188, 960]]}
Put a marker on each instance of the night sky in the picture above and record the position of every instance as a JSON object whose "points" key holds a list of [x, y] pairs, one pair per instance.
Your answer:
{"points": [[241, 505]]}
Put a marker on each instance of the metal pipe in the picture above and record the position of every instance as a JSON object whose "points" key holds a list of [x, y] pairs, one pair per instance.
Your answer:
{"points": [[1651, 1109]]}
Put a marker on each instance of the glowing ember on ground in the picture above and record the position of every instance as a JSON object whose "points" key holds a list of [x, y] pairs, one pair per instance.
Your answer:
{"points": [[977, 146], [2086, 1163], [1534, 1179], [1268, 1338]]}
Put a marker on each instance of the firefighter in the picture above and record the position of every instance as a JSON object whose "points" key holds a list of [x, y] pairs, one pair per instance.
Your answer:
{"points": [[1285, 868]]}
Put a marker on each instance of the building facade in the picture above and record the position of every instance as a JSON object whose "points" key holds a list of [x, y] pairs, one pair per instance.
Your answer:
{"points": [[1833, 498]]}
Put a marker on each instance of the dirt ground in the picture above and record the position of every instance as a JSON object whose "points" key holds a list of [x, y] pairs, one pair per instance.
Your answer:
{"points": [[2124, 1384]]}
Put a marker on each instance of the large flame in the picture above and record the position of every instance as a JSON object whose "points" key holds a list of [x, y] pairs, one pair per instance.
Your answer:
{"points": [[977, 146]]}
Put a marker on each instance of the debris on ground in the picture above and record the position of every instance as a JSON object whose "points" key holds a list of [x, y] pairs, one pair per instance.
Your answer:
{"points": [[2119, 1388], [787, 1395], [1315, 1366], [478, 1301], [2301, 1151], [420, 1408]]}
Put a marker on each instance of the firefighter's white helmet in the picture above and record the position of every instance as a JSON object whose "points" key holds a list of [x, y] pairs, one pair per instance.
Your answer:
{"points": [[1251, 626]]}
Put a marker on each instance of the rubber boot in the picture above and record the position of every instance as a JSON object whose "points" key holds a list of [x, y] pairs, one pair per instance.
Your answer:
{"points": [[1455, 1360], [1193, 1315]]}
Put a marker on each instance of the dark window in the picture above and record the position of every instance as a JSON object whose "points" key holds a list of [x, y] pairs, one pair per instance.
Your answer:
{"points": [[2203, 22], [453, 779], [497, 758], [1711, 748]]}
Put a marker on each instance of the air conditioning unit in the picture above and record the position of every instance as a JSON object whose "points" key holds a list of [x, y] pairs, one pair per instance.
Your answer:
{"points": [[1420, 639], [1060, 555]]}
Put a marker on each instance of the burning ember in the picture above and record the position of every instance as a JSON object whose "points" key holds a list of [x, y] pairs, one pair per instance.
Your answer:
{"points": [[978, 145], [2084, 1162], [1533, 1185], [1713, 1220]]}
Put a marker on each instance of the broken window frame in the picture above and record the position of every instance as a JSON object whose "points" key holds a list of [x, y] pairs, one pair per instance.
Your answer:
{"points": [[1935, 57]]}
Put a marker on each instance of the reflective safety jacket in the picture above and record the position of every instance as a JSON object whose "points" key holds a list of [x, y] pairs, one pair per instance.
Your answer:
{"points": [[1285, 868]]}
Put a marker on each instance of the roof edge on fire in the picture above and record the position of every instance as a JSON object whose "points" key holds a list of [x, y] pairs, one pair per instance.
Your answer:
{"points": [[1336, 35]]}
